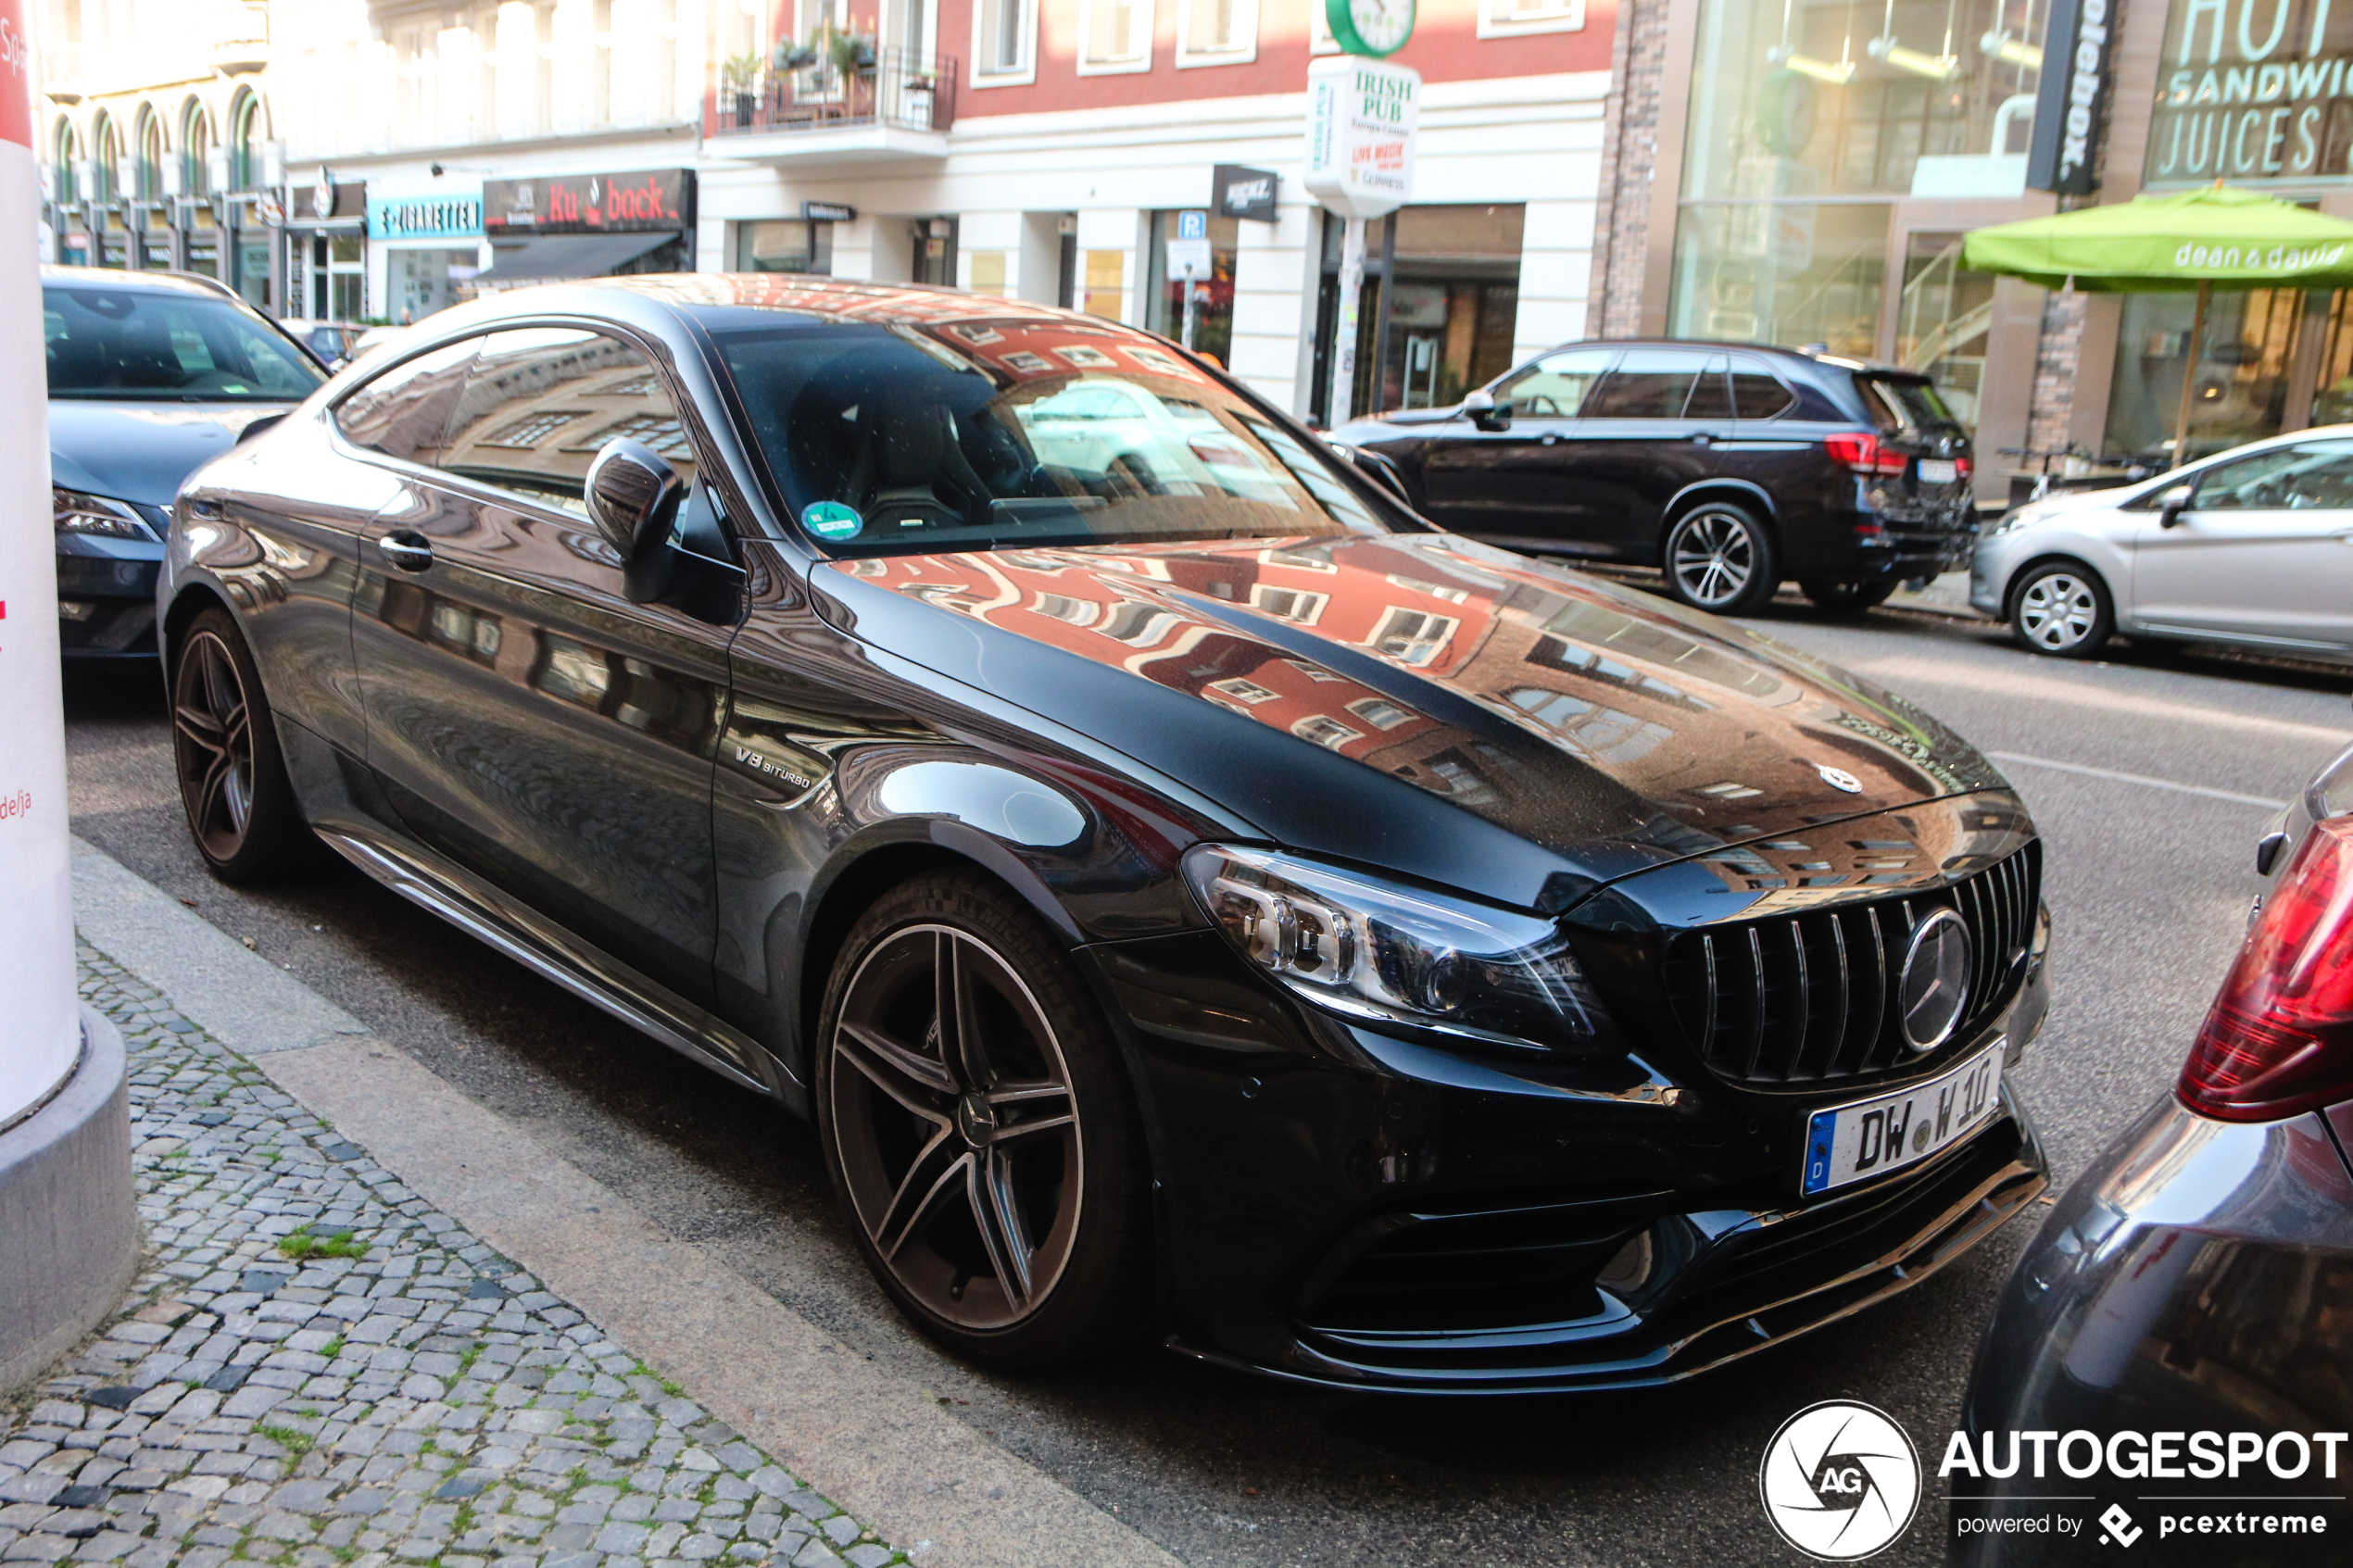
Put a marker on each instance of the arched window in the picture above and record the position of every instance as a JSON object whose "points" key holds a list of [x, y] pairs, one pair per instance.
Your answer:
{"points": [[150, 156], [105, 160], [245, 133], [66, 156], [196, 151]]}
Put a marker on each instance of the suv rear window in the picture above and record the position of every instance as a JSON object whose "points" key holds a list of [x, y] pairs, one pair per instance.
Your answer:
{"points": [[1905, 403]]}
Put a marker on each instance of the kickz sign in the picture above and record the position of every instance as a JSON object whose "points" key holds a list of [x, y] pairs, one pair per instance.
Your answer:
{"points": [[1360, 116]]}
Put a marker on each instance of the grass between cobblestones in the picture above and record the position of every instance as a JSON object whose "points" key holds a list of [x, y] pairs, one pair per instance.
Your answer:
{"points": [[317, 1369]]}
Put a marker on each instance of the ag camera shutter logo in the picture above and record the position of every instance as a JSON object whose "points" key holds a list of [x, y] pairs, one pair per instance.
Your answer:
{"points": [[1840, 1480]]}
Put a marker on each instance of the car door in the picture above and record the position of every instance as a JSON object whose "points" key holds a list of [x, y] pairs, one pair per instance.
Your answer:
{"points": [[1639, 442], [526, 720], [1502, 482], [2262, 553]]}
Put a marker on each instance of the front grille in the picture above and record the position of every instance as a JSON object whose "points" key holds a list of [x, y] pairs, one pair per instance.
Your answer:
{"points": [[1810, 997]]}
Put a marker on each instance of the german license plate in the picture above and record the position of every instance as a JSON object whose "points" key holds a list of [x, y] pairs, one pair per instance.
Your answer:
{"points": [[1939, 470], [1870, 1137]]}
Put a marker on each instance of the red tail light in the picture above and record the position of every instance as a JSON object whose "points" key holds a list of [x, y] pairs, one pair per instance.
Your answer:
{"points": [[1864, 454], [1963, 465], [2280, 1038]]}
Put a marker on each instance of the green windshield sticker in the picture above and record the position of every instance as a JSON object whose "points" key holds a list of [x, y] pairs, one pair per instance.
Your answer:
{"points": [[831, 520]]}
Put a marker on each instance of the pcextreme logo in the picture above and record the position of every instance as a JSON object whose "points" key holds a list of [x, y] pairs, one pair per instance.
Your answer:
{"points": [[1840, 1480]]}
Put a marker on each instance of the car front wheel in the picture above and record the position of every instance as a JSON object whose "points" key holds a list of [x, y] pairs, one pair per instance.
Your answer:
{"points": [[2062, 610], [1719, 558], [979, 1126]]}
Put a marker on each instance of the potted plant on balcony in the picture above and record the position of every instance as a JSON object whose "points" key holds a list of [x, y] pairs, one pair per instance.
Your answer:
{"points": [[852, 53], [740, 77], [795, 56]]}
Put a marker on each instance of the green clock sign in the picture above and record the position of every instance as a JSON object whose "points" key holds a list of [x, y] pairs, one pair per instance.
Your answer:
{"points": [[1378, 28]]}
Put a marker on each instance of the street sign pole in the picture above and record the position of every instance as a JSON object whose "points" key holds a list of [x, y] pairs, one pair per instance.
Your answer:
{"points": [[1192, 307], [1342, 405]]}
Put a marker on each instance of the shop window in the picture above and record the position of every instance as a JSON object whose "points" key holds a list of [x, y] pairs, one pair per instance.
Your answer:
{"points": [[986, 273], [1452, 309], [2239, 372], [1220, 32], [1115, 35], [1004, 43], [786, 246], [1212, 332], [1509, 19], [1106, 283], [1762, 272]]}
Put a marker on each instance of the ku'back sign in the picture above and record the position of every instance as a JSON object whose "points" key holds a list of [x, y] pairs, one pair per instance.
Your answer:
{"points": [[1361, 117]]}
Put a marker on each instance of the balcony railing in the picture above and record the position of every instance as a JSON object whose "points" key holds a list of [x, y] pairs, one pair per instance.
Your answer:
{"points": [[909, 90]]}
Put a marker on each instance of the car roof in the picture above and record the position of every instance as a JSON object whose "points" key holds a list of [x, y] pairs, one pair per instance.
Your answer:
{"points": [[141, 283], [1769, 351]]}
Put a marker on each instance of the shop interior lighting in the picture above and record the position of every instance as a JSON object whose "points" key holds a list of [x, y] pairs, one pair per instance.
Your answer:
{"points": [[2011, 50], [1785, 55], [1937, 67]]}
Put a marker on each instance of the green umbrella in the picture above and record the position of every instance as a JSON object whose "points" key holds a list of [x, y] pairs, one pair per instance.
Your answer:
{"points": [[2203, 239]]}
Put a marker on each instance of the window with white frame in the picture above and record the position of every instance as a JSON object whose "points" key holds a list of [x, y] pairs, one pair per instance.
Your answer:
{"points": [[1510, 19], [1319, 29], [1217, 32], [1325, 729], [1413, 636], [1289, 604], [1114, 35], [1004, 43]]}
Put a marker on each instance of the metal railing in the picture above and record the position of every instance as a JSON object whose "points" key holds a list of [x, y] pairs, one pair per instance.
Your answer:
{"points": [[917, 91]]}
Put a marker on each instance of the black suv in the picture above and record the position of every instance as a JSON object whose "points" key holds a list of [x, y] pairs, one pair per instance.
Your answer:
{"points": [[1728, 466]]}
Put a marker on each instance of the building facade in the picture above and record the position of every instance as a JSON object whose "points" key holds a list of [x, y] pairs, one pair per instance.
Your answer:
{"points": [[419, 152]]}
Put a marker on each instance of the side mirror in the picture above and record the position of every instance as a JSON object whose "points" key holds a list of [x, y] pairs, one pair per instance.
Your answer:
{"points": [[633, 497], [1481, 406], [2171, 505]]}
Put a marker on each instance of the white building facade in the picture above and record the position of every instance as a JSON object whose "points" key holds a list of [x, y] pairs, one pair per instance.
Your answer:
{"points": [[1049, 150]]}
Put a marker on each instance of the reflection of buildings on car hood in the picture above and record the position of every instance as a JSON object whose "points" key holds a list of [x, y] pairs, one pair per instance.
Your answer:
{"points": [[1468, 674]]}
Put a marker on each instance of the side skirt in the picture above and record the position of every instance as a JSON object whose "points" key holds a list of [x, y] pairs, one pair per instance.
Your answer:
{"points": [[541, 945]]}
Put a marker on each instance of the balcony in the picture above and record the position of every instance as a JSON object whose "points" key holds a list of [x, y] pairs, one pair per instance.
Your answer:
{"points": [[897, 109], [241, 43]]}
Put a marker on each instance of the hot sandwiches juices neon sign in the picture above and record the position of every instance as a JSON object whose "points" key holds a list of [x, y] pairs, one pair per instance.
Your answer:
{"points": [[2254, 90]]}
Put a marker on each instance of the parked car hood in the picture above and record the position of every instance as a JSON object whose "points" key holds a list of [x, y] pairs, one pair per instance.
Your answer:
{"points": [[138, 451], [1421, 702]]}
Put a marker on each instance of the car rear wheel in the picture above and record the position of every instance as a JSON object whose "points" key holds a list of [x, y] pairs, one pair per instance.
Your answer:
{"points": [[2062, 610], [1719, 558], [240, 807], [980, 1127], [1847, 595]]}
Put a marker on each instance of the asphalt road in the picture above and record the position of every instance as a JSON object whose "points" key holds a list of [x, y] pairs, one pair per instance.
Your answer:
{"points": [[2149, 885]]}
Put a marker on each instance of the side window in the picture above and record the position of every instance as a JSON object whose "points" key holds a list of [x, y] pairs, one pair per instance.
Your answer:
{"points": [[1711, 394], [1554, 387], [540, 401], [405, 412], [1757, 393], [1649, 384], [2304, 477]]}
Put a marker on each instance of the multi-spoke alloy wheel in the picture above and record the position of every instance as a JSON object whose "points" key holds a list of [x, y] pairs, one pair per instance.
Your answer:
{"points": [[970, 1102], [232, 782], [2061, 611], [958, 1141], [1718, 559]]}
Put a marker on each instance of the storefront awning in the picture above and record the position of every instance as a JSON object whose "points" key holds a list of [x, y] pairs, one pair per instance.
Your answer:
{"points": [[572, 256]]}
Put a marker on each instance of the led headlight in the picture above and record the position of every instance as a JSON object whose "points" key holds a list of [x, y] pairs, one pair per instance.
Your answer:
{"points": [[78, 512], [1373, 949]]}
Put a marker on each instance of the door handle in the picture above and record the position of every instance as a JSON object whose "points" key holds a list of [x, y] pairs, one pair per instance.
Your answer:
{"points": [[1548, 440], [406, 550], [1706, 437]]}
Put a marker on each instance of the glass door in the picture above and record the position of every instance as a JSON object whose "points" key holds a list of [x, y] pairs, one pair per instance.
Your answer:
{"points": [[1943, 318]]}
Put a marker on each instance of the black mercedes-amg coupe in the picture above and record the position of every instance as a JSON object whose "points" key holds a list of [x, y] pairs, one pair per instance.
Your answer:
{"points": [[1192, 894]]}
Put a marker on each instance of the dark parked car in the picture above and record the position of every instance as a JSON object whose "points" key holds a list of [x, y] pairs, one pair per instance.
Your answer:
{"points": [[149, 376], [1729, 467], [1189, 895], [2195, 1283]]}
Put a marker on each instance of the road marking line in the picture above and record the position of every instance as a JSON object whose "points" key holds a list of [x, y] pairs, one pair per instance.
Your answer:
{"points": [[2110, 773], [2046, 688]]}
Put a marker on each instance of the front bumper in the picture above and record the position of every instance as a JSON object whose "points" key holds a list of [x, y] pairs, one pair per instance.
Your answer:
{"points": [[1343, 1208], [2198, 1278], [106, 596]]}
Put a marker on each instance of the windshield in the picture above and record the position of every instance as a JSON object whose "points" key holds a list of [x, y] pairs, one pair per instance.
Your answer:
{"points": [[1905, 403], [977, 436], [130, 344]]}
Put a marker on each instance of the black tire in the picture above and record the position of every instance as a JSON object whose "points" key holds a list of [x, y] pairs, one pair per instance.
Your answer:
{"points": [[1847, 595], [1719, 557], [1013, 1248], [240, 807], [2061, 609]]}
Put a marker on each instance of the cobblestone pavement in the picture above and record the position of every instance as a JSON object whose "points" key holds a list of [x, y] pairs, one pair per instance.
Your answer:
{"points": [[317, 1369]]}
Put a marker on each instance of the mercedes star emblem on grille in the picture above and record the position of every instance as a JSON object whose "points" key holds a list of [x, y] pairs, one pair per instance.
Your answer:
{"points": [[1934, 985]]}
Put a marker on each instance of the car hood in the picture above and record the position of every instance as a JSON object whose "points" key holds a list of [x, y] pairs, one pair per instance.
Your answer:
{"points": [[142, 451], [1424, 703]]}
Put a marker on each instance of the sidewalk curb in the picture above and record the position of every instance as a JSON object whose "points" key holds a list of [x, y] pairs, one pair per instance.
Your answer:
{"points": [[877, 1446]]}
